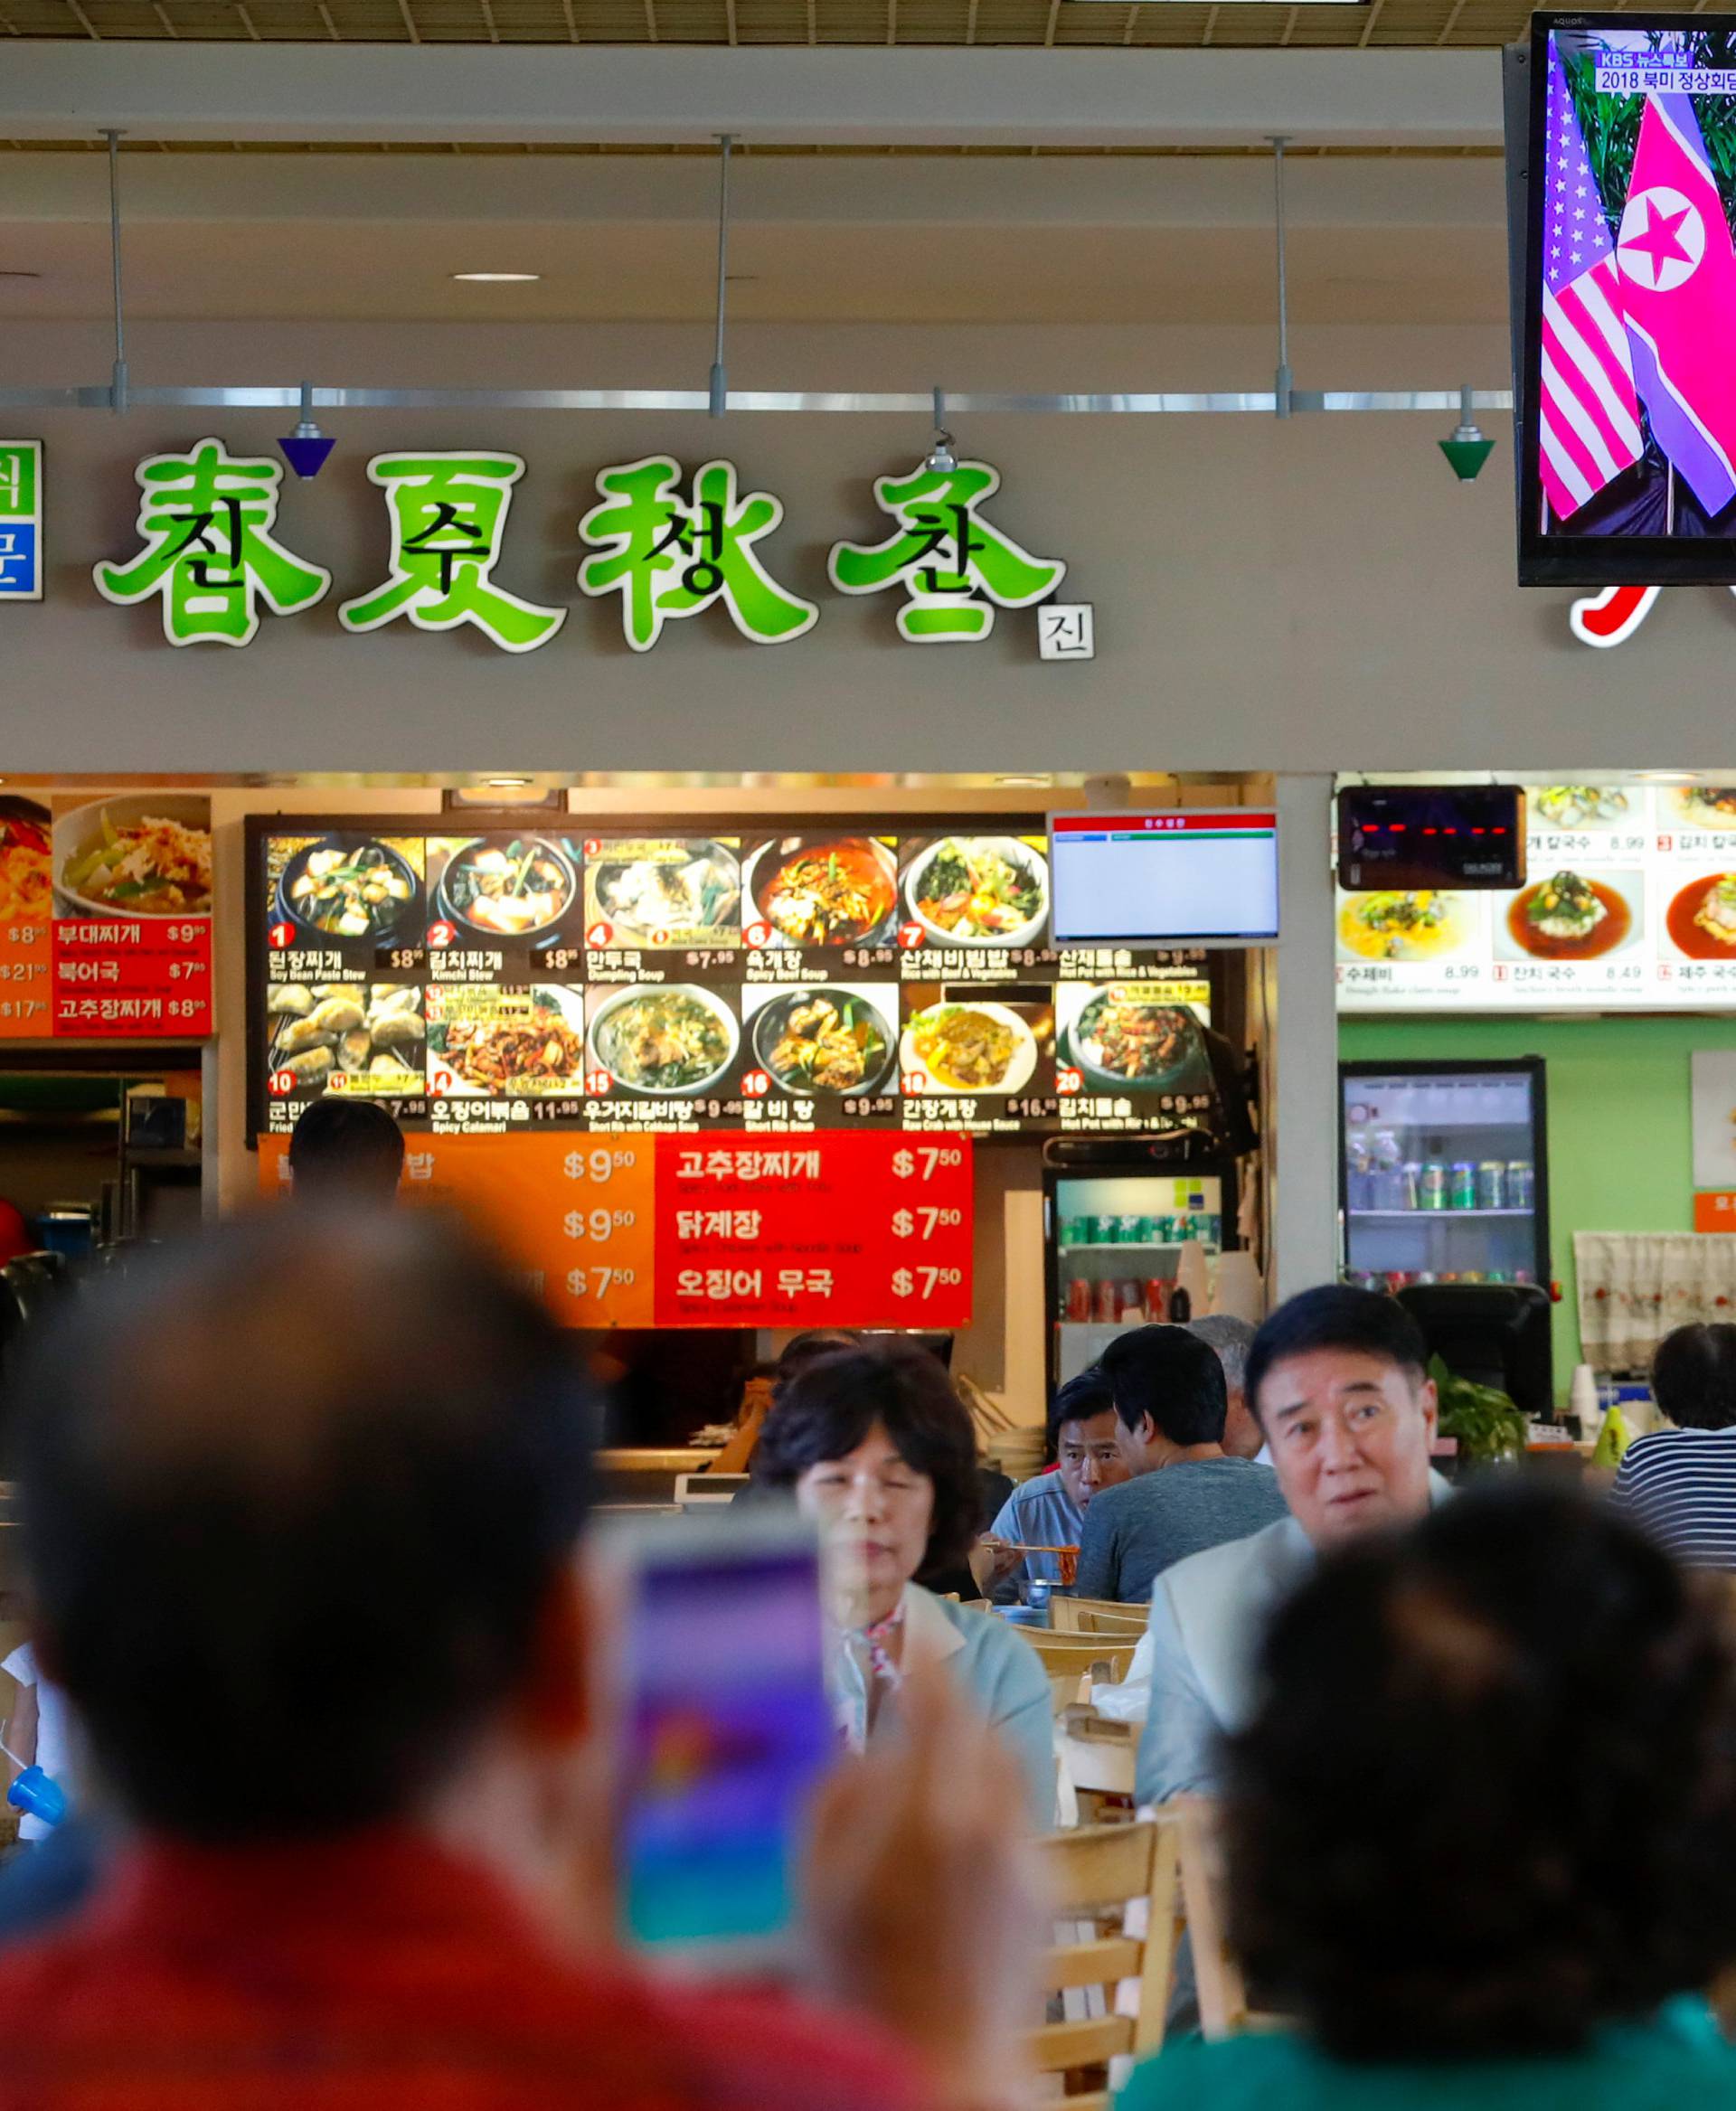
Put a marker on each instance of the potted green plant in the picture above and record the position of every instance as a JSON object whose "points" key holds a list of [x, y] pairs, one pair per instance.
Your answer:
{"points": [[1483, 1422]]}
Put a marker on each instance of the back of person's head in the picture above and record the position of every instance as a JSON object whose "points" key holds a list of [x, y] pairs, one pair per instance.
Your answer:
{"points": [[346, 1150], [1336, 1315], [1487, 1801], [1168, 1374], [295, 1503], [828, 1408], [1693, 1377], [1079, 1400], [801, 1349], [1228, 1340]]}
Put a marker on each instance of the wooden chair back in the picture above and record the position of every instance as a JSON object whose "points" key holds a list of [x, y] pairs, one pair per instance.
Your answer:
{"points": [[1222, 1992], [1121, 1887], [1078, 1653], [1095, 1616]]}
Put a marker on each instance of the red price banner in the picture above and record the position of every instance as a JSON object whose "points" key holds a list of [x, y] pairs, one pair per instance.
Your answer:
{"points": [[735, 1230], [132, 978], [834, 1230]]}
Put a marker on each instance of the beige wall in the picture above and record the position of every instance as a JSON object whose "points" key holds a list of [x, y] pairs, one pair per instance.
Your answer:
{"points": [[1308, 595]]}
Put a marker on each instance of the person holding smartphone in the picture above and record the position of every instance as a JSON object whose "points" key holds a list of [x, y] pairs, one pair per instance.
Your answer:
{"points": [[879, 1452], [329, 1488]]}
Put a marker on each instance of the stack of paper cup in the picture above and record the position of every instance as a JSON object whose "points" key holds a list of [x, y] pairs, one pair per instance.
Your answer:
{"points": [[1239, 1290], [1193, 1274], [1582, 1398]]}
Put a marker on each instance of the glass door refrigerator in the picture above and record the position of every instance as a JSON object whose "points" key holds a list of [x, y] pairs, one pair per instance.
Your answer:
{"points": [[1116, 1218], [1443, 1176]]}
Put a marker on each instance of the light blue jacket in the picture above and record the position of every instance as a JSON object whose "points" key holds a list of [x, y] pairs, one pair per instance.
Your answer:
{"points": [[995, 1664]]}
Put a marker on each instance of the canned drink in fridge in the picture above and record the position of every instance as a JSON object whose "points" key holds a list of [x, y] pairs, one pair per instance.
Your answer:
{"points": [[1492, 1184], [1435, 1185], [1463, 1192], [1103, 1302], [1156, 1298], [1134, 1231], [1079, 1298], [1522, 1184], [1410, 1186]]}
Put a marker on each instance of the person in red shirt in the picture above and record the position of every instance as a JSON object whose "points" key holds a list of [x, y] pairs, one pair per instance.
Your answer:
{"points": [[322, 1483]]}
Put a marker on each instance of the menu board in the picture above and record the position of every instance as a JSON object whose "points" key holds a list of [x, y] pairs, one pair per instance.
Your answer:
{"points": [[1629, 903], [733, 1229], [104, 917], [780, 979]]}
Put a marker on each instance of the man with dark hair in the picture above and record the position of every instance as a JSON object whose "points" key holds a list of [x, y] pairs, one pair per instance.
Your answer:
{"points": [[1185, 1493], [1050, 1509], [346, 1151], [300, 1516], [1337, 1379]]}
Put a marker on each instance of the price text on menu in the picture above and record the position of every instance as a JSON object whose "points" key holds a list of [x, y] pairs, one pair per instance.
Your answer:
{"points": [[735, 1230]]}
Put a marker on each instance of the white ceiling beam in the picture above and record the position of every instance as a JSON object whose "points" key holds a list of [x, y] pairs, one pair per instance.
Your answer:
{"points": [[439, 94]]}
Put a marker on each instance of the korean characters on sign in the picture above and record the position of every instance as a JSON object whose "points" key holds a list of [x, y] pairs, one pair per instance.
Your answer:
{"points": [[661, 545], [21, 519]]}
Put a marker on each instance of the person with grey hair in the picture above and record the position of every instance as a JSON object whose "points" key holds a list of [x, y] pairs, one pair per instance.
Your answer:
{"points": [[1229, 1340]]}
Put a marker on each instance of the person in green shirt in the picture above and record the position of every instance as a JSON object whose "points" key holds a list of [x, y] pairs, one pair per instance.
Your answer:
{"points": [[1481, 1830]]}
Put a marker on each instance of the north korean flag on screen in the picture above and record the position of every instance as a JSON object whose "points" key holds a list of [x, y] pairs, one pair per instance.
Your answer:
{"points": [[1678, 299]]}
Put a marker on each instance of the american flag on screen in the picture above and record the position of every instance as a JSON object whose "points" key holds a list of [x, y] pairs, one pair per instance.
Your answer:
{"points": [[1589, 415]]}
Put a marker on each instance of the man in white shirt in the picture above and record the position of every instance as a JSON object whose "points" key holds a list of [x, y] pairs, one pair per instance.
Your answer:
{"points": [[1337, 1379]]}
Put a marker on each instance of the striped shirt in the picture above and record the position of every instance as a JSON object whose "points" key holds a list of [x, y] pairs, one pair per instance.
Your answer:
{"points": [[1680, 1486]]}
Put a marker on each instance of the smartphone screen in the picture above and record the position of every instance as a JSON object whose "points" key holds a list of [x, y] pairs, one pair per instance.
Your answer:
{"points": [[728, 1729]]}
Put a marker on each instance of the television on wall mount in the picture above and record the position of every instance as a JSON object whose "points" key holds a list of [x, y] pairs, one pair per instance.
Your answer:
{"points": [[1622, 189]]}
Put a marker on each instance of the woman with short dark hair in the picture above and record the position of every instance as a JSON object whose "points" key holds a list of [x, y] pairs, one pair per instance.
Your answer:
{"points": [[1679, 1485], [1481, 1831], [879, 1450]]}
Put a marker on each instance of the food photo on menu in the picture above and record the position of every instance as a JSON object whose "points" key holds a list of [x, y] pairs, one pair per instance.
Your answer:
{"points": [[827, 889], [1130, 1037], [981, 893], [501, 889], [362, 1038], [1570, 915], [26, 862], [662, 893], [673, 1042], [501, 1043], [960, 1045], [358, 892], [135, 854], [1410, 927], [829, 1042]]}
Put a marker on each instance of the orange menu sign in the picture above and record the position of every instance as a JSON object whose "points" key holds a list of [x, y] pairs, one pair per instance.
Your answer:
{"points": [[734, 1230]]}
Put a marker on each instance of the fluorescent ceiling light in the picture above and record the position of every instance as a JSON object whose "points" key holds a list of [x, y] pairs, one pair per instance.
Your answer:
{"points": [[508, 784], [497, 277]]}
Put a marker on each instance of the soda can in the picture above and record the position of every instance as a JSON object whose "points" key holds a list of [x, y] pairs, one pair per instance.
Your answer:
{"points": [[1463, 1192], [1156, 1298], [1410, 1186], [1435, 1185], [1522, 1184], [1492, 1184], [1036, 1594], [1074, 1231], [1079, 1298], [1134, 1231], [1103, 1307]]}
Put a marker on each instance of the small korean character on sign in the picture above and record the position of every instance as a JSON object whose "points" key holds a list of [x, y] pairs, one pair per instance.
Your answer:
{"points": [[1066, 630]]}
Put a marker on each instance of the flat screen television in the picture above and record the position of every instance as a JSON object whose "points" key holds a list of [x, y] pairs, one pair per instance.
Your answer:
{"points": [[1185, 877], [1623, 190]]}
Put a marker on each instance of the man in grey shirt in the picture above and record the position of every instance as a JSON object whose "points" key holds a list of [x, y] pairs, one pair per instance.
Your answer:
{"points": [[1187, 1495]]}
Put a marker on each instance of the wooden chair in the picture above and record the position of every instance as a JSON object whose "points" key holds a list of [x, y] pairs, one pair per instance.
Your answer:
{"points": [[1123, 1882], [1222, 1990], [1077, 1654], [1097, 1753], [1095, 1616]]}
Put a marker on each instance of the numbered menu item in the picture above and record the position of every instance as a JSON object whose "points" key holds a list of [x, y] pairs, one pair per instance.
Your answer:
{"points": [[1573, 915], [662, 893], [358, 1038], [822, 892], [505, 1044], [971, 1062], [978, 890], [518, 888], [132, 901]]}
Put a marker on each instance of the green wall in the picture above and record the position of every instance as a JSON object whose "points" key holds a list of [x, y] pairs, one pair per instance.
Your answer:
{"points": [[1620, 1156]]}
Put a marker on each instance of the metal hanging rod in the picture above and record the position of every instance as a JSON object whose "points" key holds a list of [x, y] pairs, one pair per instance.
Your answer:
{"points": [[912, 403]]}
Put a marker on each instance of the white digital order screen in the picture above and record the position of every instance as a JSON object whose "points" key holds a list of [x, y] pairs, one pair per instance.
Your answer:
{"points": [[1181, 877]]}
